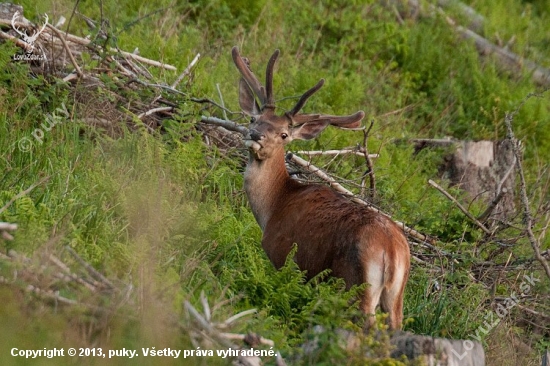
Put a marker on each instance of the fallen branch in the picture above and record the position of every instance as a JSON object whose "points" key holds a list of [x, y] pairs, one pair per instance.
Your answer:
{"points": [[368, 162], [490, 208], [336, 152], [187, 71], [528, 218], [506, 59], [70, 274], [179, 79], [461, 208], [66, 46], [230, 125], [91, 270], [225, 339], [155, 110], [338, 187]]}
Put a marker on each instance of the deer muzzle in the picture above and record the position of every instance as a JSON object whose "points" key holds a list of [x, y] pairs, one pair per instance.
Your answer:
{"points": [[252, 145], [252, 141]]}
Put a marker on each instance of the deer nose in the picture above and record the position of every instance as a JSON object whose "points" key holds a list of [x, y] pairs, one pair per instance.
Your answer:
{"points": [[256, 136]]}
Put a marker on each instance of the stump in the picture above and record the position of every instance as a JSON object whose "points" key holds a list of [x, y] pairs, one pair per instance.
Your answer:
{"points": [[485, 170]]}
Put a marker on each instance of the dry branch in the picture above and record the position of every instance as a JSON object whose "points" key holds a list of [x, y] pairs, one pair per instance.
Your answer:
{"points": [[224, 338], [461, 208], [229, 125], [506, 59], [528, 218], [66, 46], [338, 187], [336, 152], [91, 270], [32, 277], [368, 162], [491, 207]]}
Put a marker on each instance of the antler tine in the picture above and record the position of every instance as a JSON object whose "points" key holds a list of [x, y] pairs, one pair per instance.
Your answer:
{"points": [[248, 76], [305, 97], [269, 80], [45, 23], [15, 16]]}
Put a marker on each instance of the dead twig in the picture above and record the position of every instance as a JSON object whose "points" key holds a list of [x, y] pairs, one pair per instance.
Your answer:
{"points": [[460, 207], [91, 270], [230, 125], [336, 152], [155, 110], [23, 193], [70, 274], [179, 79], [66, 46], [528, 218], [224, 338], [500, 193], [368, 161]]}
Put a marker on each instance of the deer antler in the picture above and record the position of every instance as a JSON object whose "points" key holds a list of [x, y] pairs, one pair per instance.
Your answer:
{"points": [[22, 34], [270, 103], [300, 104], [248, 76], [35, 36]]}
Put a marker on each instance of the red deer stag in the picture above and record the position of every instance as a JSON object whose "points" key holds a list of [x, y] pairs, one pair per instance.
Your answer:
{"points": [[354, 242]]}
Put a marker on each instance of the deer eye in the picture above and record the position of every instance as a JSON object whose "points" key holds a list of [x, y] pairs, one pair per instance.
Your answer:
{"points": [[284, 136], [252, 119]]}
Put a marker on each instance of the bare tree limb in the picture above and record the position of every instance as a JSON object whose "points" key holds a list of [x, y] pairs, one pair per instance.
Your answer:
{"points": [[230, 125], [528, 218], [66, 46], [460, 207], [506, 59], [368, 162], [336, 152], [95, 274], [500, 193]]}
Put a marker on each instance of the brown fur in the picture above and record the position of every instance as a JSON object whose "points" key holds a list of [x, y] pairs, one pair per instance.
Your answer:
{"points": [[355, 243]]}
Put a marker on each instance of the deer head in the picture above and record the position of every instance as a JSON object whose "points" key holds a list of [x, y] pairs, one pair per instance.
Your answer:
{"points": [[270, 132]]}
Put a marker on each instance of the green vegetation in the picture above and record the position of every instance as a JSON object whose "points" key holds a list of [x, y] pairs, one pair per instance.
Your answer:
{"points": [[164, 215]]}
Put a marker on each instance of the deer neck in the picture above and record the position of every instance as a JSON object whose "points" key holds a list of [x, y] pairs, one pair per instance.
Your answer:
{"points": [[265, 183]]}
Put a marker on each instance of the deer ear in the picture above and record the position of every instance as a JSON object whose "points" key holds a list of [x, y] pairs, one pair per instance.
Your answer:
{"points": [[308, 130], [247, 100], [309, 126]]}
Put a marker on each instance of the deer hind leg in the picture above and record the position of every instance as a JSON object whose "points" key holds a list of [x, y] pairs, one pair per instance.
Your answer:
{"points": [[391, 300], [371, 297]]}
